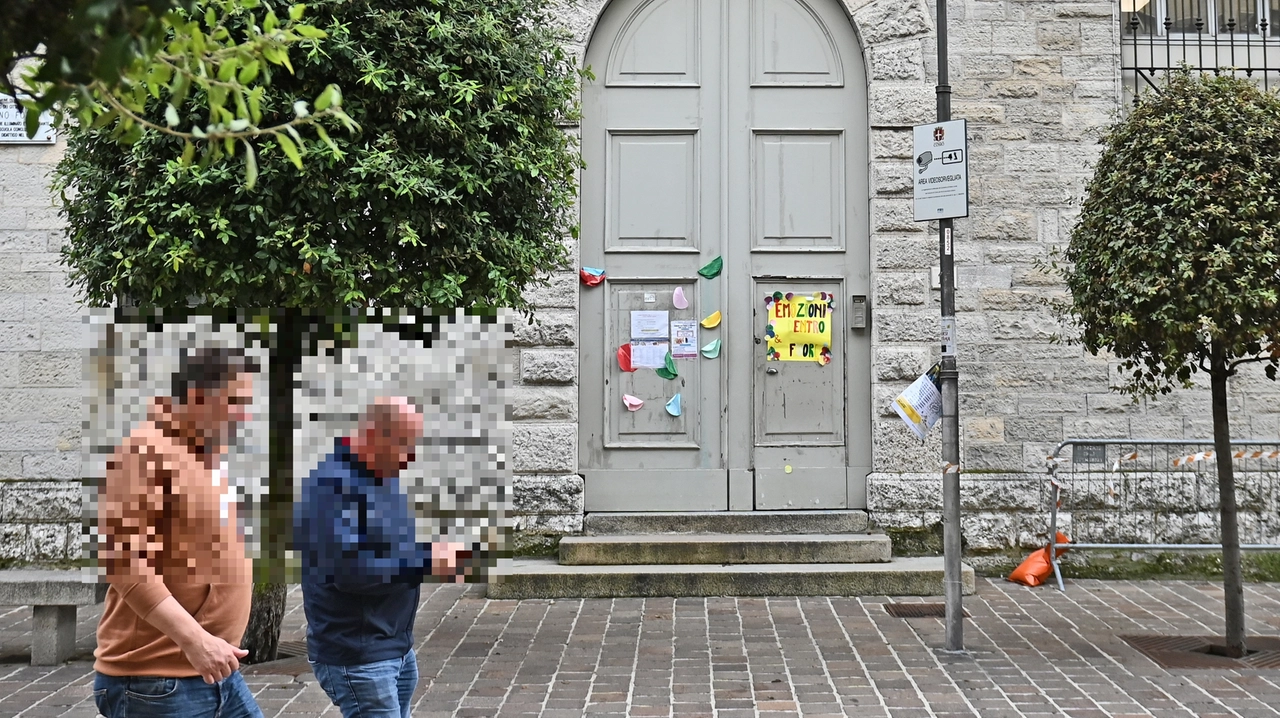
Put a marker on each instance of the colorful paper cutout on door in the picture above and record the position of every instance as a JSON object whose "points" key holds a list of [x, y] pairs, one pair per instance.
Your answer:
{"points": [[712, 321], [632, 403], [669, 370], [673, 406], [624, 358], [591, 276], [799, 327], [713, 268], [678, 299], [712, 350]]}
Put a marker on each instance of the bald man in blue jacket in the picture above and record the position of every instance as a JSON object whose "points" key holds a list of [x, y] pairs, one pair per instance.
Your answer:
{"points": [[363, 566]]}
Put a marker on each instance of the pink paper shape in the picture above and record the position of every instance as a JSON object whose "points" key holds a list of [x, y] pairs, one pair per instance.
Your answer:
{"points": [[679, 300], [632, 403]]}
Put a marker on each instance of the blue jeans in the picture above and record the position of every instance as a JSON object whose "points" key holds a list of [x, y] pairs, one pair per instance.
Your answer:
{"points": [[151, 697], [371, 690]]}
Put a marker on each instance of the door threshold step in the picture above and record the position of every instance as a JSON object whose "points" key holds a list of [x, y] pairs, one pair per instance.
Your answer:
{"points": [[718, 549], [851, 521], [544, 578]]}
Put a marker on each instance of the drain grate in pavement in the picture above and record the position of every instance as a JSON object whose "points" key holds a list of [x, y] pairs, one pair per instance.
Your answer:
{"points": [[1206, 652], [291, 649], [291, 660], [918, 610]]}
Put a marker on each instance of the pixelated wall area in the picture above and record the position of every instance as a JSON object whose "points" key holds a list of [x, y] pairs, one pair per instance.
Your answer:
{"points": [[458, 486], [130, 362], [456, 370]]}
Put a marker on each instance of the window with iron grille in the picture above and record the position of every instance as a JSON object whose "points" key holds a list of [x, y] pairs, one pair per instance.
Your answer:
{"points": [[1239, 37], [1258, 18]]}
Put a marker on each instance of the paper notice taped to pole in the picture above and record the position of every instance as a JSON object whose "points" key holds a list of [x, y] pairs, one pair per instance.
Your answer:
{"points": [[920, 406]]}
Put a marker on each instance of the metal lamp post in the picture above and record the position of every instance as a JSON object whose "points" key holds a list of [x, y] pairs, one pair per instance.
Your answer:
{"points": [[949, 379]]}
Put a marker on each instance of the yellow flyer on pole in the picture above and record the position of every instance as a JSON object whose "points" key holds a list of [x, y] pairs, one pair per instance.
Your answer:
{"points": [[920, 406], [799, 327]]}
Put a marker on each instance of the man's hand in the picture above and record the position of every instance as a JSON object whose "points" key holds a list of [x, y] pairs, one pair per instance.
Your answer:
{"points": [[447, 559], [213, 658]]}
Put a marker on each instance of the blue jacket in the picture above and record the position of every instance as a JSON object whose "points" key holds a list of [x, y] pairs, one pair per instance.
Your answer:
{"points": [[361, 564]]}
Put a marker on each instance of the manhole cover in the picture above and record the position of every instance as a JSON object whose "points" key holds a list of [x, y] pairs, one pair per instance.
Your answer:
{"points": [[1206, 652], [918, 610]]}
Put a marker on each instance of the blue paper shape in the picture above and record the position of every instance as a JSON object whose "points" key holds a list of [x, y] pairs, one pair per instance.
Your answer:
{"points": [[673, 406]]}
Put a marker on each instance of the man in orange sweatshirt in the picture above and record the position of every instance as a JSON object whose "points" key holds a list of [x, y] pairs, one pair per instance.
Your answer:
{"points": [[180, 581]]}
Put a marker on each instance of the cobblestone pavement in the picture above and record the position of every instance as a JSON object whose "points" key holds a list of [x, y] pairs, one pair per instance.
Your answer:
{"points": [[1032, 652]]}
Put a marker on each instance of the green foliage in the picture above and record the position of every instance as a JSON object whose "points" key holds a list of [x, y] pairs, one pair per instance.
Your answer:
{"points": [[1178, 245], [457, 192], [102, 62]]}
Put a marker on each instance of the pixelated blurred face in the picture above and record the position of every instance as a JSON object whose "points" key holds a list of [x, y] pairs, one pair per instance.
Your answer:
{"points": [[394, 443], [221, 410]]}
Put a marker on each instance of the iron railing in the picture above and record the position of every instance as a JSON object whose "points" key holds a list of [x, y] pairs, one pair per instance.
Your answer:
{"points": [[1236, 36], [1158, 495]]}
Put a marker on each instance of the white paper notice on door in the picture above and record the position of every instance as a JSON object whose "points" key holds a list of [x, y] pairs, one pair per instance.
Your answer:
{"points": [[649, 354], [684, 339], [648, 325]]}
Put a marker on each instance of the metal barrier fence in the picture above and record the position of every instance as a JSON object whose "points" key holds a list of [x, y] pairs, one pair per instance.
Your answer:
{"points": [[1158, 494]]}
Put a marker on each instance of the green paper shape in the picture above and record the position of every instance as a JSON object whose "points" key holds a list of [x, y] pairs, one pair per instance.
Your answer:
{"points": [[669, 371], [712, 350], [712, 270]]}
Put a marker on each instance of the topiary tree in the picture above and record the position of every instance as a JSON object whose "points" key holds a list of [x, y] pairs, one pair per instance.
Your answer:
{"points": [[457, 192], [1174, 266]]}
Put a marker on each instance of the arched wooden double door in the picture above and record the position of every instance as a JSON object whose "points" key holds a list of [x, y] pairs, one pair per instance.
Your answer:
{"points": [[732, 129]]}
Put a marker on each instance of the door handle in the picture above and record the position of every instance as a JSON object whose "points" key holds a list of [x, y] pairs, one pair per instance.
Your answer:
{"points": [[770, 370]]}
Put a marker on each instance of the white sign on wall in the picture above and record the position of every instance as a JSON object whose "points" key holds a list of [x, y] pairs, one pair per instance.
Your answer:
{"points": [[941, 173], [13, 125]]}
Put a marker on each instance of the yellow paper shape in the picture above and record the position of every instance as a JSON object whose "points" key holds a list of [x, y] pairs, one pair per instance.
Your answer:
{"points": [[712, 321]]}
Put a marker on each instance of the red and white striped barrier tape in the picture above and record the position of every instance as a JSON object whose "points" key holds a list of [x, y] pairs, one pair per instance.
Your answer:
{"points": [[1208, 455], [1131, 456]]}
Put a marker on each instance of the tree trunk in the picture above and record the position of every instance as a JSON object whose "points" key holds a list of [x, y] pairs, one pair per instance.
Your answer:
{"points": [[1232, 576], [262, 638]]}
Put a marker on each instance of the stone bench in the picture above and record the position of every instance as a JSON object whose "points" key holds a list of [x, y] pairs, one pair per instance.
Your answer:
{"points": [[53, 597]]}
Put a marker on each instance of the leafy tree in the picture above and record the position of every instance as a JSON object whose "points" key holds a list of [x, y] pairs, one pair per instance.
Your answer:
{"points": [[102, 61], [458, 191], [1174, 266]]}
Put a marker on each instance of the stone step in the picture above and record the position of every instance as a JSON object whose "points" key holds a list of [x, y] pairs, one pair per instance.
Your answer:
{"points": [[727, 522], [544, 578], [649, 549]]}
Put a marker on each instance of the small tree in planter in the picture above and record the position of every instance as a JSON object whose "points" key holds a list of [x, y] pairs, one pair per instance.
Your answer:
{"points": [[1174, 266], [458, 192]]}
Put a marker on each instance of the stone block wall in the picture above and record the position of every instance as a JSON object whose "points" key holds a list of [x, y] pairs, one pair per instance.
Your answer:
{"points": [[547, 492], [40, 367], [1035, 79]]}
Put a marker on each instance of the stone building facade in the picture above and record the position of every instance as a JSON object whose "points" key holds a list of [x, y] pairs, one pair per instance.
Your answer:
{"points": [[1034, 78]]}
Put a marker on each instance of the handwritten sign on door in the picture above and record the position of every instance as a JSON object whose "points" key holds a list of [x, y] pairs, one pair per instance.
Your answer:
{"points": [[799, 327]]}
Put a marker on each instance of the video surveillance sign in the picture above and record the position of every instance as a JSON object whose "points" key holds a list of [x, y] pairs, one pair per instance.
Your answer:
{"points": [[941, 174]]}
